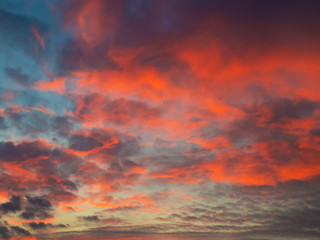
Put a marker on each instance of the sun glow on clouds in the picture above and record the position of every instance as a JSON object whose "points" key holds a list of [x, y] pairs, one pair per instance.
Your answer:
{"points": [[185, 117]]}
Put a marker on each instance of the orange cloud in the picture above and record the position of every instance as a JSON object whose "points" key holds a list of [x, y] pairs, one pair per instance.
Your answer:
{"points": [[24, 238], [57, 85]]}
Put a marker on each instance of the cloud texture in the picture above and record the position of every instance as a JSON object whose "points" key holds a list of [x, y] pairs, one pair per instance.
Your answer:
{"points": [[198, 118]]}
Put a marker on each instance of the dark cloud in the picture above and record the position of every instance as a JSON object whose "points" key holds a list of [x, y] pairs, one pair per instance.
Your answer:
{"points": [[287, 108], [31, 207], [20, 231], [190, 218], [39, 202], [281, 109], [38, 207], [258, 127], [31, 123], [42, 225], [28, 215], [62, 125], [93, 218], [127, 146], [122, 208], [113, 220], [36, 226], [13, 205], [83, 143], [243, 132], [54, 176], [35, 213], [4, 232], [10, 152], [315, 132], [7, 231], [60, 226]]}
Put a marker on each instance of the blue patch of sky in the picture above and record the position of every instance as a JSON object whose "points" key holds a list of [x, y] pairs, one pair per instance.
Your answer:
{"points": [[42, 10], [17, 51]]}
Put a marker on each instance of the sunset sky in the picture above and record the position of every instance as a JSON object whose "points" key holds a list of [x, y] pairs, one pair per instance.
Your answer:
{"points": [[159, 119]]}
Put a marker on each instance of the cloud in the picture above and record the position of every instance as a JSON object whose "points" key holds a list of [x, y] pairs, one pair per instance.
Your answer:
{"points": [[13, 205], [36, 226], [33, 208], [23, 151], [83, 143], [42, 225], [20, 231], [116, 111], [92, 218], [34, 213], [315, 132], [159, 116], [39, 202], [28, 215], [37, 208], [7, 232], [38, 36], [4, 231]]}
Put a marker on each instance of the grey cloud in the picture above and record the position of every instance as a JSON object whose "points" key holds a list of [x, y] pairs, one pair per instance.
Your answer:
{"points": [[13, 205], [11, 152], [4, 232], [39, 202], [83, 143], [92, 218], [20, 231], [7, 231]]}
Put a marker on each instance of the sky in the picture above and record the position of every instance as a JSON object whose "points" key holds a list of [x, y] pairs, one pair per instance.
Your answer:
{"points": [[159, 119]]}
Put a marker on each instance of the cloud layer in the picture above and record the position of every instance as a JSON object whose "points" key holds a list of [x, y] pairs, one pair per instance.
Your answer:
{"points": [[159, 117]]}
